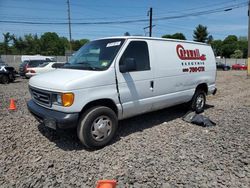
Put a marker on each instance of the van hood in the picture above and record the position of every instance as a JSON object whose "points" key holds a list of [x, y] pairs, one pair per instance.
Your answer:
{"points": [[71, 79]]}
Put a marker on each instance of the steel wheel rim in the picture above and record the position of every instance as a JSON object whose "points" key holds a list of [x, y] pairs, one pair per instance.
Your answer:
{"points": [[200, 101], [101, 128]]}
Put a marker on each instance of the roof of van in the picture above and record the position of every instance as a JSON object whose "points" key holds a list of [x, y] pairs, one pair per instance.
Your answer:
{"points": [[153, 38]]}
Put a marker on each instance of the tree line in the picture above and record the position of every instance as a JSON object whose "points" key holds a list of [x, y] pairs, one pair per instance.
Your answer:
{"points": [[51, 44], [47, 44], [231, 47]]}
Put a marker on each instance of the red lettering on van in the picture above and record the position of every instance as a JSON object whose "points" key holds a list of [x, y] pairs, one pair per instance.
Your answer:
{"points": [[185, 54]]}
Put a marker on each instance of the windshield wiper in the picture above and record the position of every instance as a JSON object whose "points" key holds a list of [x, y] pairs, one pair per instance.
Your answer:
{"points": [[82, 63], [77, 66], [88, 66]]}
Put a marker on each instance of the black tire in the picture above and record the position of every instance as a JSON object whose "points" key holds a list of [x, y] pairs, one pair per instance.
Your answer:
{"points": [[12, 77], [5, 79], [198, 101], [225, 69], [90, 130]]}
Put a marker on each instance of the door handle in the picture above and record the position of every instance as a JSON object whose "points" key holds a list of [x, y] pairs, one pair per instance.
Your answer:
{"points": [[151, 85]]}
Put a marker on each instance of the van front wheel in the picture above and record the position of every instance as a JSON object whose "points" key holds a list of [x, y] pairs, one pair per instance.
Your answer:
{"points": [[198, 101], [97, 126]]}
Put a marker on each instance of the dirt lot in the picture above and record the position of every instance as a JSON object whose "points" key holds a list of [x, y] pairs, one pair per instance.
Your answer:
{"points": [[153, 150]]}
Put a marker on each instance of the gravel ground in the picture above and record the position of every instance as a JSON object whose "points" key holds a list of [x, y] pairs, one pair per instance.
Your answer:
{"points": [[153, 150]]}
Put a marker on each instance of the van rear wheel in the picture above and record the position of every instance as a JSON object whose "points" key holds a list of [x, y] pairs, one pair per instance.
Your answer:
{"points": [[198, 101], [97, 127]]}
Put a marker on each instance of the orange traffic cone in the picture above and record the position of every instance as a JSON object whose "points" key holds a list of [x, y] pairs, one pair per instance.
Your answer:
{"points": [[106, 184], [12, 105]]}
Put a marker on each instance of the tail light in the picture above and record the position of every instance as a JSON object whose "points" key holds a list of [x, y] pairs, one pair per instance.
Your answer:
{"points": [[32, 71], [25, 68]]}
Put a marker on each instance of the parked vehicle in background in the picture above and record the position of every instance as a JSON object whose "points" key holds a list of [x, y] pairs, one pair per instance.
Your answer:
{"points": [[222, 66], [32, 61], [239, 66], [30, 64], [42, 68], [37, 57], [7, 73], [115, 78], [22, 68]]}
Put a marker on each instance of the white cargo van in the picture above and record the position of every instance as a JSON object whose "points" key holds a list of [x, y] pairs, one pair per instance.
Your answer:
{"points": [[115, 78]]}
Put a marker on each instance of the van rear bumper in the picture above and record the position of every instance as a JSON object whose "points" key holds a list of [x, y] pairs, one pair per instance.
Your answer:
{"points": [[52, 118]]}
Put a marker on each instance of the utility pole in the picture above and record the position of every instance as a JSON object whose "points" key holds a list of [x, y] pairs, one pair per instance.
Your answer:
{"points": [[70, 39], [150, 21], [248, 54]]}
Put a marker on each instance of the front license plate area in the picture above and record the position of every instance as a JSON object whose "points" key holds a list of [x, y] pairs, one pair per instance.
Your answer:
{"points": [[51, 123]]}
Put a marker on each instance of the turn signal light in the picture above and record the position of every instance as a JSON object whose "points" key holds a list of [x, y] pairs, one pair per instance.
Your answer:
{"points": [[67, 99]]}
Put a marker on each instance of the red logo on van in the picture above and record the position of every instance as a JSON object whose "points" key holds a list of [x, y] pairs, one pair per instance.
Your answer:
{"points": [[185, 54]]}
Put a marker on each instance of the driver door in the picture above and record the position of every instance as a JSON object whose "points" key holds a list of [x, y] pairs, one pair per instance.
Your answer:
{"points": [[135, 86]]}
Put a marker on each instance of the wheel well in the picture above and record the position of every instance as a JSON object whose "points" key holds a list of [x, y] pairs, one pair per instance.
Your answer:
{"points": [[101, 102], [202, 87]]}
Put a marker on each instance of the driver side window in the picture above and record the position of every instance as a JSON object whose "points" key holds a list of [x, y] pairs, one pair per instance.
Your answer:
{"points": [[137, 50]]}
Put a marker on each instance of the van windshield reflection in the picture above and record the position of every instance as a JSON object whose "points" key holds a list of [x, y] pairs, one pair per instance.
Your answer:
{"points": [[96, 55]]}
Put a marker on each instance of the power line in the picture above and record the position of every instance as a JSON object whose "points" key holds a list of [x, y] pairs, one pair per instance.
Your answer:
{"points": [[36, 19], [222, 9], [211, 11], [201, 7]]}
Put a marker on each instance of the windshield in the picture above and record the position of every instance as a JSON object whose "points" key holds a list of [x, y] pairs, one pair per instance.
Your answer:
{"points": [[96, 55]]}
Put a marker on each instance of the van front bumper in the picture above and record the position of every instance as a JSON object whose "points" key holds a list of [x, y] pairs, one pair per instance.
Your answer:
{"points": [[52, 118]]}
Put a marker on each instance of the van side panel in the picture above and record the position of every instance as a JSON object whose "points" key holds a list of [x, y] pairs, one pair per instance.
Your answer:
{"points": [[176, 79]]}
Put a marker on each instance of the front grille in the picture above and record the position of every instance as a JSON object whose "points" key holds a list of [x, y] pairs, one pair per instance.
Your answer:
{"points": [[41, 96]]}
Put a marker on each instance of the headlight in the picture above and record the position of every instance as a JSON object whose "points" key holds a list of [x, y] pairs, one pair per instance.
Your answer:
{"points": [[58, 98], [63, 99]]}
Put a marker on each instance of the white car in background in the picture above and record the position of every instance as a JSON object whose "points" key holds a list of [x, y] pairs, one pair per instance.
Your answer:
{"points": [[42, 68]]}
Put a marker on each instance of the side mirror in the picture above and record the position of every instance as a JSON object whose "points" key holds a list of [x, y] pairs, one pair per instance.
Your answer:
{"points": [[128, 65]]}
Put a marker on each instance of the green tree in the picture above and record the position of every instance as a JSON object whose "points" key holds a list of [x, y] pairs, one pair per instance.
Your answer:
{"points": [[76, 44], [7, 37], [126, 34], [84, 41], [237, 54], [217, 47], [36, 44], [32, 44], [51, 44], [19, 45], [210, 39], [48, 44], [230, 44], [200, 33], [65, 43], [1, 48], [180, 36], [243, 45]]}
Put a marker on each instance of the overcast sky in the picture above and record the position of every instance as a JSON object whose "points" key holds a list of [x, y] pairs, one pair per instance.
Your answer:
{"points": [[220, 24]]}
